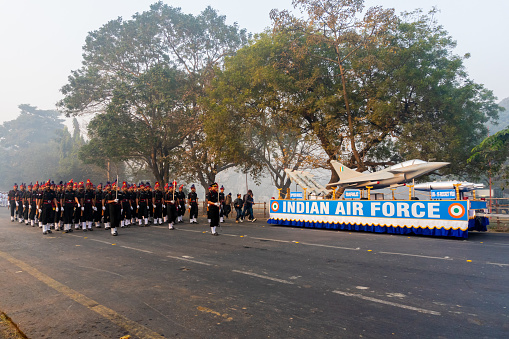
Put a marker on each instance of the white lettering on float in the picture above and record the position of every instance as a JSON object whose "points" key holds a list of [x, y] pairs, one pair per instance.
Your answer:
{"points": [[416, 213], [324, 207], [314, 208], [300, 207]]}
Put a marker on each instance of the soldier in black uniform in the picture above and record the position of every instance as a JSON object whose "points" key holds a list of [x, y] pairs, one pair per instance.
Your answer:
{"points": [[214, 205], [126, 206], [170, 200], [132, 203], [58, 208], [192, 200], [106, 206], [38, 198], [22, 203], [68, 201], [13, 204], [157, 199], [113, 198], [150, 206], [31, 205], [88, 204], [98, 208], [142, 203], [182, 203], [46, 207]]}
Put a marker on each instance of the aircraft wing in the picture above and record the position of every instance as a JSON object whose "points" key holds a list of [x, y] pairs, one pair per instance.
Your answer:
{"points": [[362, 179]]}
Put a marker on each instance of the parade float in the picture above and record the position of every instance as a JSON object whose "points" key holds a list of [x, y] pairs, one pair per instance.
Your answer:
{"points": [[445, 213]]}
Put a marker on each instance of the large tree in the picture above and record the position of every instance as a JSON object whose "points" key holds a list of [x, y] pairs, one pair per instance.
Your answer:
{"points": [[394, 88], [145, 76]]}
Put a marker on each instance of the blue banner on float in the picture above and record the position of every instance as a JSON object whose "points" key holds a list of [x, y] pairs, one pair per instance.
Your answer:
{"points": [[434, 210]]}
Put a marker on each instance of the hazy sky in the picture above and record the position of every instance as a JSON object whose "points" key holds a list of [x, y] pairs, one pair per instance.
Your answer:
{"points": [[41, 40]]}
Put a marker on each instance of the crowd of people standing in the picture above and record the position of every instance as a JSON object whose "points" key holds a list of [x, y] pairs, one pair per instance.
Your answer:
{"points": [[79, 205]]}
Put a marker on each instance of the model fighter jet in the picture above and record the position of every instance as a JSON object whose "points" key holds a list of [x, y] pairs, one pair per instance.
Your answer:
{"points": [[393, 176]]}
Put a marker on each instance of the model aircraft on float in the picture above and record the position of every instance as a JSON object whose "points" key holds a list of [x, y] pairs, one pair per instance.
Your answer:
{"points": [[448, 185], [393, 176]]}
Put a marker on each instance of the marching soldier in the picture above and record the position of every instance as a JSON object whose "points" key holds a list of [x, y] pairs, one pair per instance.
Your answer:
{"points": [[20, 198], [58, 208], [157, 198], [87, 207], [46, 204], [112, 199], [181, 196], [13, 204], [98, 208], [214, 205], [126, 206], [132, 203], [142, 201], [32, 206], [171, 204], [68, 201], [192, 200]]}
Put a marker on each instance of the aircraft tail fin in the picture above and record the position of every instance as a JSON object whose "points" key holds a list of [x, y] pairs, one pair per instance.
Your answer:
{"points": [[343, 171]]}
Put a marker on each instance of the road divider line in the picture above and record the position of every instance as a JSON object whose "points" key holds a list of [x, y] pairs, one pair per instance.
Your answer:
{"points": [[330, 246], [132, 327], [137, 249], [390, 303], [190, 260], [264, 277], [417, 255], [276, 240], [497, 264]]}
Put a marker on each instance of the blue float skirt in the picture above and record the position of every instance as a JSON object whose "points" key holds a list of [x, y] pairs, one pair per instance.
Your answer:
{"points": [[437, 232]]}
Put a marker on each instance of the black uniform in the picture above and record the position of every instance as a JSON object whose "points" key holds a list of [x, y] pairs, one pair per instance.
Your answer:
{"points": [[213, 209], [88, 201], [115, 207], [68, 205], [172, 207], [157, 198], [193, 202], [98, 206], [47, 197], [12, 201], [182, 203]]}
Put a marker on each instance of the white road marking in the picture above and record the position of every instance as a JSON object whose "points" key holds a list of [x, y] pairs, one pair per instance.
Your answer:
{"points": [[497, 264], [104, 242], [329, 246], [264, 277], [193, 261], [417, 255], [285, 241], [380, 301], [136, 249]]}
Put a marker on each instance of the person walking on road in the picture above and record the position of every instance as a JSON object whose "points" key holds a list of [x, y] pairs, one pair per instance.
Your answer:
{"points": [[238, 204]]}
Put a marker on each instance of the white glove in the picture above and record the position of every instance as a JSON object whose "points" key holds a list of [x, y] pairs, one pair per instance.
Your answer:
{"points": [[24, 206], [164, 206], [217, 204], [131, 208], [116, 200], [29, 207], [172, 201], [138, 206], [17, 204], [94, 208], [104, 208], [40, 210], [79, 205], [56, 209], [62, 208], [121, 210], [83, 208]]}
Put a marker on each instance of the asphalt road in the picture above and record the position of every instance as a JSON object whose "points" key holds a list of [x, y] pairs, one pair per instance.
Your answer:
{"points": [[252, 281]]}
